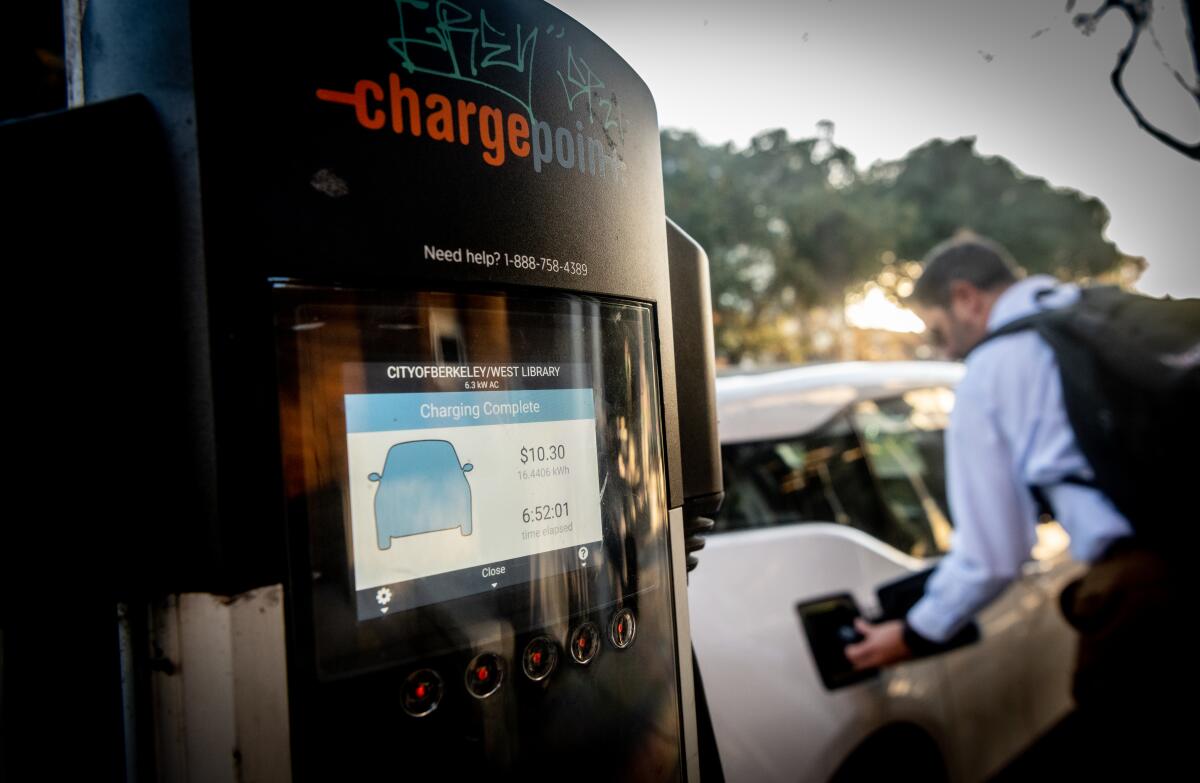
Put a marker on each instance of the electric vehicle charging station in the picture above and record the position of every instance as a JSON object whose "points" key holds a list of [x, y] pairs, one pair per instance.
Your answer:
{"points": [[441, 510]]}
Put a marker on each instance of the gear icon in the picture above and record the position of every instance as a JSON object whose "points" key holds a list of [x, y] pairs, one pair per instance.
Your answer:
{"points": [[383, 596]]}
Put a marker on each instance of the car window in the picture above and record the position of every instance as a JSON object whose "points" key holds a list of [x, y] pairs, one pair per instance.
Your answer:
{"points": [[904, 438], [819, 477]]}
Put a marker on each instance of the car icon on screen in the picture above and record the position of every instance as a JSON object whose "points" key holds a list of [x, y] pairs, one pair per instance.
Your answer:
{"points": [[423, 488]]}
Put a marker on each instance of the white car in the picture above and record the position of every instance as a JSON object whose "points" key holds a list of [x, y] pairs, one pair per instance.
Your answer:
{"points": [[834, 486]]}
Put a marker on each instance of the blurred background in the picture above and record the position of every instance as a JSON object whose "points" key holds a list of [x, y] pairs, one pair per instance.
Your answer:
{"points": [[817, 148]]}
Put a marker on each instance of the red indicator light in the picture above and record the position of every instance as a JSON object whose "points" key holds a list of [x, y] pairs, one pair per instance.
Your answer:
{"points": [[621, 628], [421, 691], [482, 673], [582, 642], [536, 658]]}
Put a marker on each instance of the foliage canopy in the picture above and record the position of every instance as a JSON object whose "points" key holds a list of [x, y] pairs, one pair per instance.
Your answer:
{"points": [[790, 225]]}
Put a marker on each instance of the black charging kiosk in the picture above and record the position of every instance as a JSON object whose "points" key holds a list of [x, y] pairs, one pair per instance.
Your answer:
{"points": [[427, 287]]}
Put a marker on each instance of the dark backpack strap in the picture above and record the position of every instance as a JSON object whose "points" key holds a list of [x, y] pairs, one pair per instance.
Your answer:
{"points": [[1019, 325], [1033, 321], [1044, 507], [1040, 499]]}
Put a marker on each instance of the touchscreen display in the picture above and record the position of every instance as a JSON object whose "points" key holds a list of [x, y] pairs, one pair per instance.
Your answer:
{"points": [[468, 478], [468, 467]]}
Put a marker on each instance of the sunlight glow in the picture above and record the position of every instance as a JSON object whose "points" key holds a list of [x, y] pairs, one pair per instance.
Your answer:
{"points": [[875, 311]]}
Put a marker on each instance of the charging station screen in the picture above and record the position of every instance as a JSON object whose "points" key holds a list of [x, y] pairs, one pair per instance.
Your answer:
{"points": [[468, 478], [459, 464]]}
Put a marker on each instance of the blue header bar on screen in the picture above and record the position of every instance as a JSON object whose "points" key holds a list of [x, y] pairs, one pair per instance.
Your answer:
{"points": [[386, 412]]}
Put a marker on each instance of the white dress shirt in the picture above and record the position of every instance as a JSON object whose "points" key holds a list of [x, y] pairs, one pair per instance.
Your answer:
{"points": [[1008, 432]]}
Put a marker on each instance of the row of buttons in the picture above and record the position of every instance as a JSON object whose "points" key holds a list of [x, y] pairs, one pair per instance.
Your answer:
{"points": [[423, 689]]}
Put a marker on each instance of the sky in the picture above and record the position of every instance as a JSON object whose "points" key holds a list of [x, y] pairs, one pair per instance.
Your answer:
{"points": [[892, 74]]}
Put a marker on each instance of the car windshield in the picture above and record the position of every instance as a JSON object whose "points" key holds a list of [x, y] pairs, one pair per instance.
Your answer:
{"points": [[893, 489], [819, 477], [905, 442]]}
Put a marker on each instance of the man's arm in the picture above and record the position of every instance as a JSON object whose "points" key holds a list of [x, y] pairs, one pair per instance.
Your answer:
{"points": [[993, 537]]}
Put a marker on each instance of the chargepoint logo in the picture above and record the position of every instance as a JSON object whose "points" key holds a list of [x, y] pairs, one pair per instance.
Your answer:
{"points": [[464, 46]]}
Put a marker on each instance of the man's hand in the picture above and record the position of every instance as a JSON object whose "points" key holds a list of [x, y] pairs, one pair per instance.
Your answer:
{"points": [[882, 645]]}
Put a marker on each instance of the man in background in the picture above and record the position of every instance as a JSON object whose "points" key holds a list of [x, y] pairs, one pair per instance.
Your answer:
{"points": [[1010, 440]]}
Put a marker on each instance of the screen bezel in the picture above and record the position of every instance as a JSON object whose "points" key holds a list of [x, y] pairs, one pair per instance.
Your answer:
{"points": [[450, 625]]}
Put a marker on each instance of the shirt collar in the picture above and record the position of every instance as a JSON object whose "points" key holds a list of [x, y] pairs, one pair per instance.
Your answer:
{"points": [[1020, 299]]}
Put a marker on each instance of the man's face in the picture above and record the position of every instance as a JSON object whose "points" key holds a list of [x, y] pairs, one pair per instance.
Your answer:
{"points": [[956, 329], [939, 330]]}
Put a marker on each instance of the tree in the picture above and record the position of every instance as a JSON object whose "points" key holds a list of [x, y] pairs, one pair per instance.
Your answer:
{"points": [[781, 225], [944, 187], [791, 226]]}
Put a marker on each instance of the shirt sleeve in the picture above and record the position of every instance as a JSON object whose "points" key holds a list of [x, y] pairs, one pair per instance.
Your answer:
{"points": [[992, 536]]}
